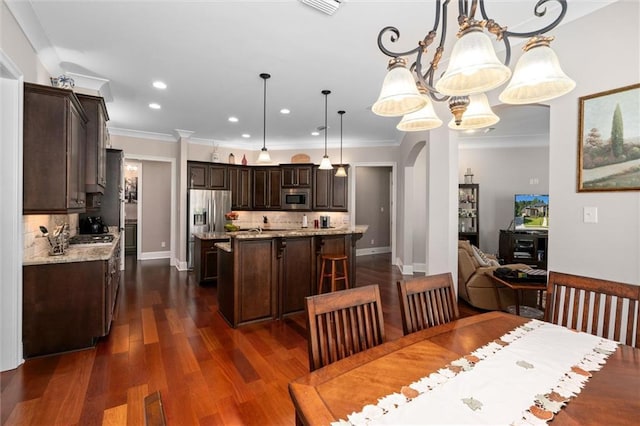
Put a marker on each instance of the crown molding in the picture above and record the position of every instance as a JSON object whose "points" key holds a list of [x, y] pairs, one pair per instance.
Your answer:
{"points": [[161, 137]]}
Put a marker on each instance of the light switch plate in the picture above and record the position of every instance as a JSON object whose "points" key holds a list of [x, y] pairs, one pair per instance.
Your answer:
{"points": [[590, 214]]}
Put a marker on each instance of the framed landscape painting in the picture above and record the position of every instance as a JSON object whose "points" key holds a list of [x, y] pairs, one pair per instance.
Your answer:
{"points": [[609, 141]]}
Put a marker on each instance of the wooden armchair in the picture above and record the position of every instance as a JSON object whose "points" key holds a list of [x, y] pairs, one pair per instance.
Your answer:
{"points": [[342, 323], [427, 301], [603, 308]]}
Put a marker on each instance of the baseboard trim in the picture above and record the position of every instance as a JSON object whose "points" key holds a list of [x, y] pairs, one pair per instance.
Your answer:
{"points": [[180, 266], [404, 269], [152, 255], [420, 267], [372, 250]]}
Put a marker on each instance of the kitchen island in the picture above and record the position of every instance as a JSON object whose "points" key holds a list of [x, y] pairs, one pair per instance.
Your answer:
{"points": [[266, 274]]}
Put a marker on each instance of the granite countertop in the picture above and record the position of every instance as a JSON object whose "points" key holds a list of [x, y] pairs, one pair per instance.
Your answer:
{"points": [[75, 253], [211, 235], [224, 246], [298, 232]]}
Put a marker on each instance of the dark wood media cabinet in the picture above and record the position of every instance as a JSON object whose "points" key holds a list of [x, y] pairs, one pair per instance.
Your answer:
{"points": [[528, 247]]}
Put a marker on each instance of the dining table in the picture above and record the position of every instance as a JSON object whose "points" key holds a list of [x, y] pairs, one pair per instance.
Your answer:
{"points": [[365, 380]]}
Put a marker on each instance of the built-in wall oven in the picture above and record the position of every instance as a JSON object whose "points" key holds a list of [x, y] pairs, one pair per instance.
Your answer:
{"points": [[296, 199]]}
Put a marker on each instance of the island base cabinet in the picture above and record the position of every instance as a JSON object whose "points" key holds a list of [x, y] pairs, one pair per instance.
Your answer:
{"points": [[297, 274]]}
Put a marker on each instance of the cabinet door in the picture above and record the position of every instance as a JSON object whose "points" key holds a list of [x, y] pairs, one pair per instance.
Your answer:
{"points": [[257, 280], [275, 193], [296, 176], [240, 184], [298, 275], [321, 189], [197, 174], [218, 177], [260, 188], [76, 161], [96, 145], [209, 262], [339, 191]]}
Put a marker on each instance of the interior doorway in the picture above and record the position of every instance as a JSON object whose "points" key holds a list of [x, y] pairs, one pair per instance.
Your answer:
{"points": [[373, 203], [132, 184]]}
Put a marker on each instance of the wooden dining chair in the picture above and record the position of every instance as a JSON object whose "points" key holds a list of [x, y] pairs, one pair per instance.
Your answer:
{"points": [[342, 323], [427, 301], [603, 308]]}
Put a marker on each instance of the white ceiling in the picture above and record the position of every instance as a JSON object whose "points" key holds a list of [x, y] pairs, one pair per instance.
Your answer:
{"points": [[210, 54]]}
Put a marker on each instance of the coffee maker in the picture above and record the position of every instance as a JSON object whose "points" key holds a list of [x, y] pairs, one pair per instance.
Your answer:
{"points": [[325, 221], [93, 225]]}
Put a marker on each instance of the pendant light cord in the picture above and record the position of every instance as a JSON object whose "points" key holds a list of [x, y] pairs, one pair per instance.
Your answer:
{"points": [[325, 93], [264, 77], [341, 115]]}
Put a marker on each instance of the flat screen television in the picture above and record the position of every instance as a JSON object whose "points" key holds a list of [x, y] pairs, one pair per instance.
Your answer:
{"points": [[531, 212]]}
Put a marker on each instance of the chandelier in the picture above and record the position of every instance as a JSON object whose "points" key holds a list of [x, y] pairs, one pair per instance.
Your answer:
{"points": [[473, 69]]}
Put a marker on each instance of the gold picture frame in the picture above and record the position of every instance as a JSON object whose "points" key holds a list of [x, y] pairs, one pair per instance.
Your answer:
{"points": [[609, 140]]}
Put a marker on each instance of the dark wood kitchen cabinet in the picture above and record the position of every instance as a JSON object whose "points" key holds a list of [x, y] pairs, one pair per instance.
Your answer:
{"points": [[68, 306], [296, 176], [206, 259], [54, 144], [207, 176], [240, 184], [266, 188], [298, 273], [96, 147], [330, 192]]}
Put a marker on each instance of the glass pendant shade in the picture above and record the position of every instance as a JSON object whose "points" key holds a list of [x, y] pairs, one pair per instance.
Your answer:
{"points": [[423, 119], [341, 172], [325, 164], [264, 156], [477, 115], [399, 94], [473, 67], [537, 77]]}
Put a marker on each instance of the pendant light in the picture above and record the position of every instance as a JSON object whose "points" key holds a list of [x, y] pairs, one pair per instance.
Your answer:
{"points": [[325, 164], [423, 119], [341, 172], [477, 116], [264, 156]]}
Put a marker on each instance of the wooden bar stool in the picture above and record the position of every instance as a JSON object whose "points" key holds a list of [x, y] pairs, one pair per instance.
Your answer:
{"points": [[333, 274]]}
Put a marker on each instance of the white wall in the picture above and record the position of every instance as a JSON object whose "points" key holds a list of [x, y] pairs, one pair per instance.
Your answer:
{"points": [[501, 173], [606, 58]]}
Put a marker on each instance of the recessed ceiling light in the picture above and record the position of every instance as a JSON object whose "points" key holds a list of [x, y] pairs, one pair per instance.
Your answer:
{"points": [[154, 105], [233, 119], [315, 133], [159, 85], [284, 111], [246, 135]]}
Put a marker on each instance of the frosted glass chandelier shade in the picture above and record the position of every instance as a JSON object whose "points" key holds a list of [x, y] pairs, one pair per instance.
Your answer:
{"points": [[473, 67], [537, 77], [325, 163], [423, 119], [341, 172], [477, 115], [399, 94], [264, 156]]}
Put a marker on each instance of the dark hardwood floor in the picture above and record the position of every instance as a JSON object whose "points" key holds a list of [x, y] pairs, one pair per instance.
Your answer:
{"points": [[167, 336]]}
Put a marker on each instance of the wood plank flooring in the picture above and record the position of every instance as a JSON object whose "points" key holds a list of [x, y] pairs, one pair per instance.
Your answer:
{"points": [[167, 336]]}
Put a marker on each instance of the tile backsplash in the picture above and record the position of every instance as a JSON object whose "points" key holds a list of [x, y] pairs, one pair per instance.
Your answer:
{"points": [[285, 220], [34, 243]]}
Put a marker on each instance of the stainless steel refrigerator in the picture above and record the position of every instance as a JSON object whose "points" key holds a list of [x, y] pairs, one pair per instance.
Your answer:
{"points": [[206, 214]]}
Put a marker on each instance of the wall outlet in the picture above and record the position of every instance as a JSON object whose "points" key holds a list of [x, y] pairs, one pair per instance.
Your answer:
{"points": [[372, 241], [163, 244]]}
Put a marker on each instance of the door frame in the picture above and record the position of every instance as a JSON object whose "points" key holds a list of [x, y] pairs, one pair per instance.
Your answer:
{"points": [[12, 81], [393, 198]]}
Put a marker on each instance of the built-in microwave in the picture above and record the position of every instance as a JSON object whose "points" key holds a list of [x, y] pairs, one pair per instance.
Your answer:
{"points": [[296, 199]]}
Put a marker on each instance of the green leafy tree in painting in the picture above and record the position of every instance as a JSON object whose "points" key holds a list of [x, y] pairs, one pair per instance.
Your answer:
{"points": [[617, 133]]}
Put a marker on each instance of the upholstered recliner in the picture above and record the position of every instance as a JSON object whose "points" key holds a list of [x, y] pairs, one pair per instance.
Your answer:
{"points": [[476, 286]]}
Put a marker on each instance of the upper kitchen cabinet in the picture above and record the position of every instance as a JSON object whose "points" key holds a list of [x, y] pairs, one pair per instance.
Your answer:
{"points": [[240, 183], [330, 192], [266, 188], [207, 176], [95, 159], [296, 176], [54, 143]]}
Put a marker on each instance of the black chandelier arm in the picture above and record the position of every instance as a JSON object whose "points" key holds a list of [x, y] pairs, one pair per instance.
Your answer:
{"points": [[539, 10], [393, 38]]}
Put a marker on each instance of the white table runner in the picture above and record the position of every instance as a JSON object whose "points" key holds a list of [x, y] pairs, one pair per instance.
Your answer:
{"points": [[498, 383]]}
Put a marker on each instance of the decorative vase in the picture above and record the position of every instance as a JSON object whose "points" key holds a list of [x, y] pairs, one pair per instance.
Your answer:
{"points": [[232, 158], [244, 160]]}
